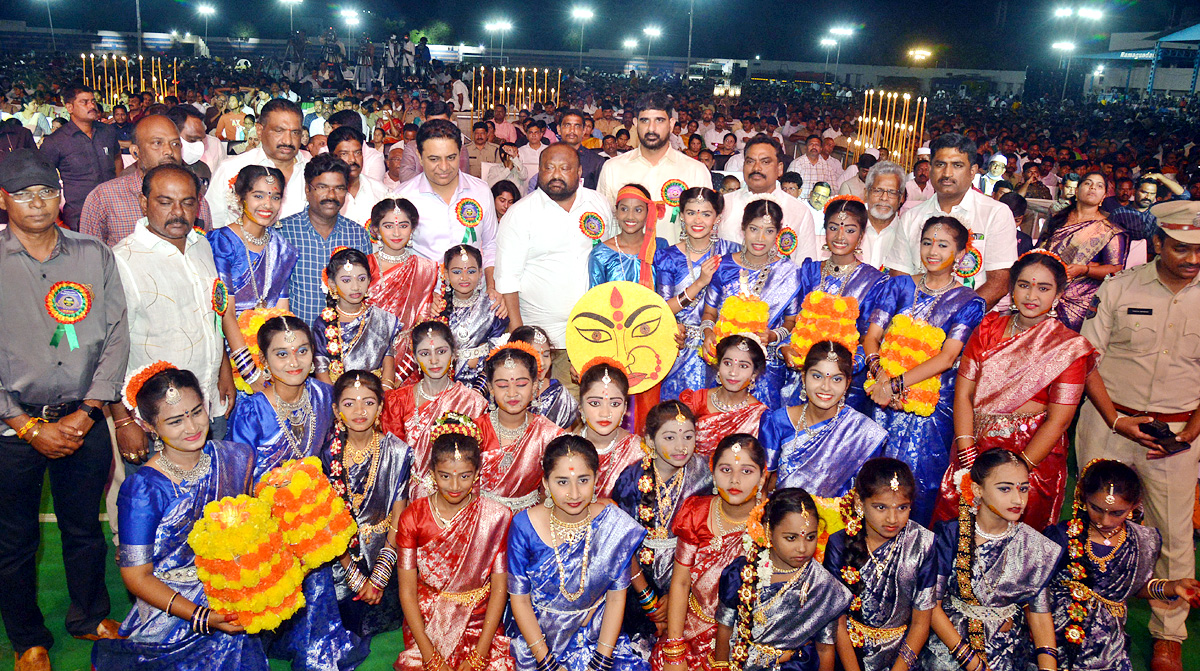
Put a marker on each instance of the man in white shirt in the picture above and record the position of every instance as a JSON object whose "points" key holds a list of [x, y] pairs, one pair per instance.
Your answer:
{"points": [[812, 167], [528, 153], [663, 171], [460, 95], [164, 258], [362, 192], [714, 136], [856, 184], [918, 189], [373, 163], [455, 208], [395, 156], [993, 230], [763, 167], [542, 250], [885, 186], [278, 129]]}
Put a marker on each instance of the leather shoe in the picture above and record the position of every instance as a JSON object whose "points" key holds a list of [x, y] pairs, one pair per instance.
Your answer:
{"points": [[106, 629], [1168, 656], [34, 659]]}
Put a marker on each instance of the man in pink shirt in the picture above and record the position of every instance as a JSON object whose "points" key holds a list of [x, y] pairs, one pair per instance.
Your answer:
{"points": [[504, 130]]}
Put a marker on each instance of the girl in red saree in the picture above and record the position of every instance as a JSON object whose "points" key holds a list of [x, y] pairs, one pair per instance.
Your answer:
{"points": [[709, 531], [513, 438], [402, 283], [410, 411], [729, 407], [453, 563], [1020, 380], [603, 393]]}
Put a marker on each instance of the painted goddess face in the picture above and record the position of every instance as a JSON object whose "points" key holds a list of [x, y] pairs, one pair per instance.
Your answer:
{"points": [[626, 322]]}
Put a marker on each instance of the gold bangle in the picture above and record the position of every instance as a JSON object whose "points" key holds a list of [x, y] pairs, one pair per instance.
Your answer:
{"points": [[34, 432], [1028, 461], [476, 661]]}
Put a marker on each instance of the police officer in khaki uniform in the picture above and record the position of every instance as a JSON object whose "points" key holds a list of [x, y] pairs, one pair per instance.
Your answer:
{"points": [[1147, 325]]}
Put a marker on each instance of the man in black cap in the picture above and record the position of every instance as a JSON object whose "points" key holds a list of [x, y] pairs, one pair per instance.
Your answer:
{"points": [[63, 350]]}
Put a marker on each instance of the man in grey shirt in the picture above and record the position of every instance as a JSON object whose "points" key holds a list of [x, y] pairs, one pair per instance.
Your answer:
{"points": [[64, 345]]}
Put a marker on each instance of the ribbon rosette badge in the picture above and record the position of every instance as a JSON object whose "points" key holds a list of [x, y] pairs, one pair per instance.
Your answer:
{"points": [[786, 242], [67, 303], [672, 189], [469, 213], [592, 225], [970, 265], [220, 297]]}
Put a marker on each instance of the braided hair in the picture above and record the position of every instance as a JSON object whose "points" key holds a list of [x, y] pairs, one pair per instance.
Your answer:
{"points": [[648, 485]]}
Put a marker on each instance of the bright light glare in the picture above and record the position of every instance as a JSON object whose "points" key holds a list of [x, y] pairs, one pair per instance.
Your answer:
{"points": [[826, 42], [1063, 46], [582, 13], [1093, 14], [503, 25], [206, 10], [920, 54], [1063, 12], [843, 32], [652, 31]]}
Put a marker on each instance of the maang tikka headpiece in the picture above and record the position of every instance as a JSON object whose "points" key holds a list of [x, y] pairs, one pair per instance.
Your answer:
{"points": [[894, 483], [1110, 498], [289, 336], [172, 395]]}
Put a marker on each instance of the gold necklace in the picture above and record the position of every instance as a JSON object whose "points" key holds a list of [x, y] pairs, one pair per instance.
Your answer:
{"points": [[721, 530], [760, 613], [357, 457], [442, 521], [1101, 563], [571, 531]]}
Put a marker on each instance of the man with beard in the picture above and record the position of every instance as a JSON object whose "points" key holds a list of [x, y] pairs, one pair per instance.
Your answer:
{"points": [[993, 230], [1136, 219], [813, 168], [918, 189], [885, 188], [362, 192], [112, 210], [318, 230], [543, 247], [654, 164], [761, 171], [166, 257], [278, 129]]}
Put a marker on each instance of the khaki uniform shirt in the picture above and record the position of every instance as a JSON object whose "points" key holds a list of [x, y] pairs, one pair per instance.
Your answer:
{"points": [[1150, 340], [477, 156]]}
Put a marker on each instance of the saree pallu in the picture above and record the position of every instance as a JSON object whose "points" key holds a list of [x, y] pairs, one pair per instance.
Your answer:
{"points": [[405, 290], [454, 570], [557, 405], [387, 478], [1048, 363], [672, 275], [1127, 569], [825, 461], [1007, 575], [711, 427], [511, 475], [156, 517], [254, 422], [919, 441], [705, 562], [257, 277], [476, 330], [572, 627], [792, 623], [366, 341], [412, 423], [1080, 243], [897, 581], [780, 291], [615, 459]]}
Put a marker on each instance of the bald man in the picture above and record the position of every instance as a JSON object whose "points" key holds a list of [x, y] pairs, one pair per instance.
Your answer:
{"points": [[112, 209]]}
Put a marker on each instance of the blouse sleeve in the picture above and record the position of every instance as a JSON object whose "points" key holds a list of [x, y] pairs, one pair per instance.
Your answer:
{"points": [[770, 435], [140, 506], [686, 529], [628, 547], [835, 549], [714, 295], [406, 539], [500, 561], [1116, 251], [244, 423], [964, 321], [320, 346], [944, 547], [597, 273], [898, 296], [925, 589], [519, 554], [666, 273], [625, 491], [969, 366], [1067, 388]]}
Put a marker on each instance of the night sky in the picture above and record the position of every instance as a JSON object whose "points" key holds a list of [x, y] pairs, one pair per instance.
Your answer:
{"points": [[962, 33]]}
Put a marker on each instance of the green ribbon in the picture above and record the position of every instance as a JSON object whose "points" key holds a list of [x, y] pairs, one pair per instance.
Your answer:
{"points": [[67, 330], [469, 236]]}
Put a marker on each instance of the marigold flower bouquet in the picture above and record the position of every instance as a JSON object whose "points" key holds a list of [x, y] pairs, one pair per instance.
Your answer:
{"points": [[741, 313], [825, 316], [907, 343], [313, 519]]}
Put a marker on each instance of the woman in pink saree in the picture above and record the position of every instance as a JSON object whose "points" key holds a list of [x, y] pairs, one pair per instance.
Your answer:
{"points": [[1090, 246], [453, 564], [411, 410], [402, 283], [1020, 381], [729, 407]]}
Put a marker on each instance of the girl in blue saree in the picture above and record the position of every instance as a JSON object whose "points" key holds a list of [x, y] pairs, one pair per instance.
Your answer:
{"points": [[568, 570], [629, 255], [554, 403], [886, 560], [171, 627], [777, 625], [292, 420], [821, 444], [254, 263], [864, 288], [1117, 559], [682, 273], [350, 334], [470, 313], [758, 271], [938, 299]]}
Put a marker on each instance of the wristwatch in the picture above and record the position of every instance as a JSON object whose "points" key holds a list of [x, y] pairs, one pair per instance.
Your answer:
{"points": [[94, 413]]}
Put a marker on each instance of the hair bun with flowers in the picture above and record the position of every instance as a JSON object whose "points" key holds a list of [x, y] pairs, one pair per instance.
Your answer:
{"points": [[454, 422], [519, 345], [844, 197], [962, 482], [133, 383], [596, 361]]}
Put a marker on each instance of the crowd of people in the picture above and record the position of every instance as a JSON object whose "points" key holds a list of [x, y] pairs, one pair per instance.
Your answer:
{"points": [[873, 476]]}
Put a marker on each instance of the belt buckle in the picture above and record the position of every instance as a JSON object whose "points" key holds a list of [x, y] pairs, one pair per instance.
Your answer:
{"points": [[53, 413]]}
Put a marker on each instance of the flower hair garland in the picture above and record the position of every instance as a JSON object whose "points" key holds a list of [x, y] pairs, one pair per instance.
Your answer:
{"points": [[522, 346], [454, 422], [138, 378], [841, 198], [596, 361]]}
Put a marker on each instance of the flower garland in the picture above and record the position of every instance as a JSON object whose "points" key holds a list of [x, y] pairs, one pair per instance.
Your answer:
{"points": [[249, 322], [907, 343], [245, 568], [964, 557], [333, 341], [313, 519], [852, 575], [756, 575], [1077, 611], [133, 384], [825, 316], [524, 347], [739, 314]]}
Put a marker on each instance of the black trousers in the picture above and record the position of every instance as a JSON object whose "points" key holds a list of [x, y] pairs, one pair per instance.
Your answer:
{"points": [[77, 484]]}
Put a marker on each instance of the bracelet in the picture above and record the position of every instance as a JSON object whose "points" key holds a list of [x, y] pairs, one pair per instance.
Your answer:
{"points": [[965, 435], [599, 662], [475, 661], [384, 563], [714, 664], [683, 299], [435, 662], [707, 324], [1028, 461], [25, 429], [37, 428], [199, 621], [610, 646], [124, 421], [907, 654], [1048, 651], [1116, 419], [1158, 590], [674, 650], [355, 580], [167, 610], [781, 333], [635, 576], [548, 663], [538, 642]]}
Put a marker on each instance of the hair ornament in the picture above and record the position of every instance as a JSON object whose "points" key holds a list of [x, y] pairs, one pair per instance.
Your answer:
{"points": [[509, 362], [269, 179], [172, 395], [755, 527], [454, 422], [539, 337], [357, 382], [289, 336], [1045, 252], [463, 256], [894, 483], [1110, 498], [838, 199], [133, 383], [831, 356], [596, 361], [679, 416]]}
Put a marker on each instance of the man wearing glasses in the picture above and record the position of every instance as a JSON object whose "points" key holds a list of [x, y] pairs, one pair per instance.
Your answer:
{"points": [[885, 188]]}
